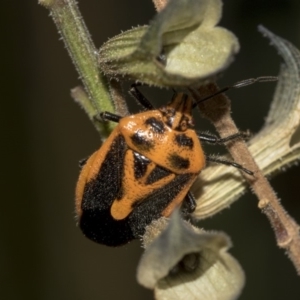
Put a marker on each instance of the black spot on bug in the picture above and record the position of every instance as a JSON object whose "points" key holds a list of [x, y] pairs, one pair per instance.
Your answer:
{"points": [[178, 162], [157, 174], [141, 142], [157, 125], [183, 140], [140, 165]]}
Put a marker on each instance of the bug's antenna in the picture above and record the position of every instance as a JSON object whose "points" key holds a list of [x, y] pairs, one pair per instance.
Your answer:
{"points": [[236, 85]]}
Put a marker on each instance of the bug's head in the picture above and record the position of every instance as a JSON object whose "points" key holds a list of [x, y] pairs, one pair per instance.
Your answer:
{"points": [[178, 113]]}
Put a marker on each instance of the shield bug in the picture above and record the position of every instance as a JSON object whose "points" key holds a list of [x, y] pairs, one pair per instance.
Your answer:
{"points": [[143, 171]]}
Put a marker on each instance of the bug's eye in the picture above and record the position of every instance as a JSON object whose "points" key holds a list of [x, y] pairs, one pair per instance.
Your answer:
{"points": [[157, 125]]}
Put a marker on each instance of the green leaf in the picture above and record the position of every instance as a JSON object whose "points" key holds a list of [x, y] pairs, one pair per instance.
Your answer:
{"points": [[180, 47]]}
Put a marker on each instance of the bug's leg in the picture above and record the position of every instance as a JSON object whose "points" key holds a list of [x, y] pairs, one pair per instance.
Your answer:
{"points": [[228, 163], [188, 204], [82, 162], [108, 116], [213, 139], [141, 99]]}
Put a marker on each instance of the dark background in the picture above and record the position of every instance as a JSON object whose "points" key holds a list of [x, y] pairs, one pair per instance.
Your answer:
{"points": [[44, 135]]}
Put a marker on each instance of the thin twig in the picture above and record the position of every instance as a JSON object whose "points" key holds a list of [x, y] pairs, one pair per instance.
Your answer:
{"points": [[118, 99], [217, 110]]}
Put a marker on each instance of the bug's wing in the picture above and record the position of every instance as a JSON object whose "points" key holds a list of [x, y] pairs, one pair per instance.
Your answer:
{"points": [[161, 202], [99, 193]]}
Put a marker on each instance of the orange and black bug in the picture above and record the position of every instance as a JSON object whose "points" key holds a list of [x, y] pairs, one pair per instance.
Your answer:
{"points": [[143, 171]]}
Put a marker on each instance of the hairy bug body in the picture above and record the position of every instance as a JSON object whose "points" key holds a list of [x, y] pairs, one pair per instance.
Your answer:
{"points": [[145, 168], [142, 172]]}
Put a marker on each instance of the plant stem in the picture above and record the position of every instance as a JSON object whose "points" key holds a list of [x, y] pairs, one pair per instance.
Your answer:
{"points": [[217, 110], [83, 52]]}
